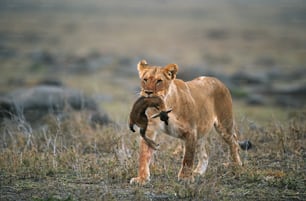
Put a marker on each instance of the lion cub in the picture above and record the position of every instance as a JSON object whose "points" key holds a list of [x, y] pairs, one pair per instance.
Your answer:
{"points": [[138, 115]]}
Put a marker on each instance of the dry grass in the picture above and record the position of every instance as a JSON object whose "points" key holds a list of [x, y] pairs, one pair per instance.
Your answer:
{"points": [[68, 160], [71, 161]]}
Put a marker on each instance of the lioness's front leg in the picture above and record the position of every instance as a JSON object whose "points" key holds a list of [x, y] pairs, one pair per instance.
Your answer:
{"points": [[186, 172], [145, 156]]}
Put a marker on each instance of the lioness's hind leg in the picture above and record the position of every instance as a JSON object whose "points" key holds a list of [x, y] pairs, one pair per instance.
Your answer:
{"points": [[202, 157], [229, 136]]}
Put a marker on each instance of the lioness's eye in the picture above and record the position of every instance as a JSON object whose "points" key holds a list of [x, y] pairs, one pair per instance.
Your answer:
{"points": [[159, 81], [145, 80]]}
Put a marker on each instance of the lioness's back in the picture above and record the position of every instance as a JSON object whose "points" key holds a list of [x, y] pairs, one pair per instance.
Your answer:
{"points": [[220, 96], [208, 86]]}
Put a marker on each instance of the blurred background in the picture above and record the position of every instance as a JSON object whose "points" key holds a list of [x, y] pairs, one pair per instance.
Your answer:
{"points": [[258, 48]]}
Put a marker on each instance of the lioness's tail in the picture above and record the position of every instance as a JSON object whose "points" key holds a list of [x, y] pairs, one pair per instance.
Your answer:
{"points": [[245, 145]]}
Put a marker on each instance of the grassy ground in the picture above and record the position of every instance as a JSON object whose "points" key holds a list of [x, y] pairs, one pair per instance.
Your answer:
{"points": [[69, 160]]}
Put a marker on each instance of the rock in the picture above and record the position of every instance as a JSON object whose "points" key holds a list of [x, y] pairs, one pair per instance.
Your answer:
{"points": [[287, 95], [49, 98], [98, 118], [34, 103], [6, 108], [287, 101], [191, 73], [51, 62], [7, 52], [293, 91], [265, 61], [277, 73], [51, 82], [218, 34], [90, 63], [126, 67], [255, 99], [194, 72], [246, 78], [16, 81], [43, 57]]}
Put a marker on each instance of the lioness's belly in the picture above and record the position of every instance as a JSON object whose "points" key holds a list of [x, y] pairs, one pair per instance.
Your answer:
{"points": [[183, 128]]}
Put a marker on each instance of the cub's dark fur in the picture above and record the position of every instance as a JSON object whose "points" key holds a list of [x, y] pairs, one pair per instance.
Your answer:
{"points": [[138, 115]]}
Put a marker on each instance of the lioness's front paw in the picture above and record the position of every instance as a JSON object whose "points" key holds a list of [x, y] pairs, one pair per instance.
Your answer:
{"points": [[139, 180]]}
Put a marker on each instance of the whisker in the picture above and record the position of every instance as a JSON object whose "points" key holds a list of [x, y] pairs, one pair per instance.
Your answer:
{"points": [[137, 92]]}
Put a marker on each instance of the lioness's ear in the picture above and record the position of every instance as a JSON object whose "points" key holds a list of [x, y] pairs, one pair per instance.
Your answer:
{"points": [[141, 66], [171, 70]]}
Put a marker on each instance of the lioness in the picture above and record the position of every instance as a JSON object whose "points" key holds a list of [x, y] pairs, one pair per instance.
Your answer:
{"points": [[197, 107]]}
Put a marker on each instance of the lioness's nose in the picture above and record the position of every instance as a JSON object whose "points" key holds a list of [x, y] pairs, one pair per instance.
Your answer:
{"points": [[148, 92]]}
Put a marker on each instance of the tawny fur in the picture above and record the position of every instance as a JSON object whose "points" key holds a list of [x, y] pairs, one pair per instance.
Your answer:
{"points": [[197, 106]]}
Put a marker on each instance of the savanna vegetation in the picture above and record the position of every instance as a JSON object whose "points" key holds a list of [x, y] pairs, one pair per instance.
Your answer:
{"points": [[94, 46]]}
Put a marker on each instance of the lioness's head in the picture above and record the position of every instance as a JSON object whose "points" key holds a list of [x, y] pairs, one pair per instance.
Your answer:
{"points": [[155, 80]]}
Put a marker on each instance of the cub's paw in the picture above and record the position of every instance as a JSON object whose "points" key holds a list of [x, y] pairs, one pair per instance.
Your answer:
{"points": [[164, 117], [131, 126], [139, 180]]}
